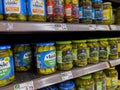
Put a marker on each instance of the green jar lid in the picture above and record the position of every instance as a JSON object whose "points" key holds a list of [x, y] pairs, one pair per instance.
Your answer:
{"points": [[86, 77], [92, 40], [63, 42], [99, 72], [79, 41], [103, 39], [112, 38]]}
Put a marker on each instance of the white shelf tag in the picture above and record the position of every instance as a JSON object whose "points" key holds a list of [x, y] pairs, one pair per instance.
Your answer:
{"points": [[61, 27], [24, 86], [66, 75], [92, 27]]}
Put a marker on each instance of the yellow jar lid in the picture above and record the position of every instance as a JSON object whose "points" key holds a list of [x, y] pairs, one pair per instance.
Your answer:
{"points": [[79, 41], [63, 42]]}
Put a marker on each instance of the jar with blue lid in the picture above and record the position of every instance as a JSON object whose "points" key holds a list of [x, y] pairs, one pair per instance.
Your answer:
{"points": [[46, 57], [54, 87], [67, 85], [1, 9], [6, 65], [23, 57]]}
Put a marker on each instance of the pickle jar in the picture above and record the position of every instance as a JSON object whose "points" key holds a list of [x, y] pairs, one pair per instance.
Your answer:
{"points": [[72, 11], [1, 9], [46, 57], [103, 49], [6, 66], [107, 13], [118, 16], [118, 87], [112, 78], [93, 51], [37, 10], [15, 10], [85, 83], [64, 55], [113, 45], [23, 57], [67, 85], [79, 53]]}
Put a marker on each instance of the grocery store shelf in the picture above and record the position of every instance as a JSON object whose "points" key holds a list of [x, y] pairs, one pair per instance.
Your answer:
{"points": [[43, 81], [114, 62]]}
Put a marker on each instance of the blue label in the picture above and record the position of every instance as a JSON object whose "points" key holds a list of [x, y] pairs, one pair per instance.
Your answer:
{"points": [[99, 14], [46, 59], [97, 0], [81, 12], [93, 14], [23, 58], [6, 67], [87, 12], [15, 6], [1, 7], [36, 7]]}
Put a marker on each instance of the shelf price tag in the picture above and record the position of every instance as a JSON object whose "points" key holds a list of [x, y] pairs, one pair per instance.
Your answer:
{"points": [[61, 27], [24, 86], [102, 27], [66, 75], [92, 27]]}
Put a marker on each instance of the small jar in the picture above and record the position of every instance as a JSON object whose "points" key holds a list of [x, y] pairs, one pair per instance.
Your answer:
{"points": [[46, 57], [23, 57], [67, 85], [64, 55], [79, 53], [6, 66], [103, 49], [1, 9], [113, 45], [15, 10], [93, 50]]}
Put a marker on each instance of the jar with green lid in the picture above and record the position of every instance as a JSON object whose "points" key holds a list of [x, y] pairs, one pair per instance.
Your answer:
{"points": [[103, 49], [107, 13], [85, 83], [112, 78], [67, 85], [118, 87], [64, 55], [46, 57], [1, 9], [37, 10], [113, 45], [23, 57], [79, 52], [118, 16], [6, 66], [93, 51], [15, 10]]}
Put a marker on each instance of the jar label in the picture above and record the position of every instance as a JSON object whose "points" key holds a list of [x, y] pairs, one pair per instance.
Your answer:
{"points": [[68, 10], [94, 53], [99, 14], [107, 14], [87, 12], [114, 81], [82, 54], [93, 14], [1, 7], [113, 49], [23, 58], [81, 12], [37, 7], [46, 59], [108, 81], [99, 85], [6, 67], [103, 52], [50, 5], [75, 11]]}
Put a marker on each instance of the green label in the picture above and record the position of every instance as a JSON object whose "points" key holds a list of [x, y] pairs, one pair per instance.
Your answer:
{"points": [[99, 85], [113, 49], [82, 54], [103, 52], [94, 52], [114, 81]]}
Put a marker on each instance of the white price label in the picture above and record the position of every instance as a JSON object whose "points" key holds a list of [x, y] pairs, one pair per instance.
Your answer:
{"points": [[24, 86], [66, 75], [61, 27], [102, 27]]}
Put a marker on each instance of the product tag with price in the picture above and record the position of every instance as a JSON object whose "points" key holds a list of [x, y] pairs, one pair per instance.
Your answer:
{"points": [[61, 27], [24, 86], [92, 27], [66, 75]]}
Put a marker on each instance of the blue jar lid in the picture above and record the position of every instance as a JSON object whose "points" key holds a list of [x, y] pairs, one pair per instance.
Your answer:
{"points": [[45, 44], [22, 44], [97, 0], [68, 85], [5, 47], [50, 88]]}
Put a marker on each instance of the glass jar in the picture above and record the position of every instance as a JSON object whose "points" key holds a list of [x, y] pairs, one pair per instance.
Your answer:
{"points": [[67, 85], [118, 16], [118, 87], [1, 9], [15, 10], [6, 65], [64, 55], [85, 83], [37, 10], [93, 51], [107, 13], [72, 11], [79, 53], [23, 57], [113, 45], [103, 49], [46, 58]]}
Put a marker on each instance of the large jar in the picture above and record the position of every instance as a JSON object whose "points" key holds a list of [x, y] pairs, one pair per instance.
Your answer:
{"points": [[103, 49], [15, 10], [64, 55], [37, 10], [79, 53], [72, 11], [84, 83], [67, 85], [113, 45], [23, 57], [46, 58], [93, 50], [1, 9], [6, 66], [107, 13], [118, 16]]}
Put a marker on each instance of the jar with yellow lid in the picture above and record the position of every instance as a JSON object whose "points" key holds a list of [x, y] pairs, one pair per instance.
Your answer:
{"points": [[79, 52], [103, 49], [118, 16], [64, 55], [1, 9], [6, 65], [118, 87], [46, 57], [107, 13], [93, 51], [113, 45]]}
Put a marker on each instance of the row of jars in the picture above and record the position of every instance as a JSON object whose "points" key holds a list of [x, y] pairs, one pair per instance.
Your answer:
{"points": [[72, 11]]}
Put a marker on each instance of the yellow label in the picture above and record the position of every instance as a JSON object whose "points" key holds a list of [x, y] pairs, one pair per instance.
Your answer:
{"points": [[118, 47], [6, 59], [108, 81], [107, 14]]}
